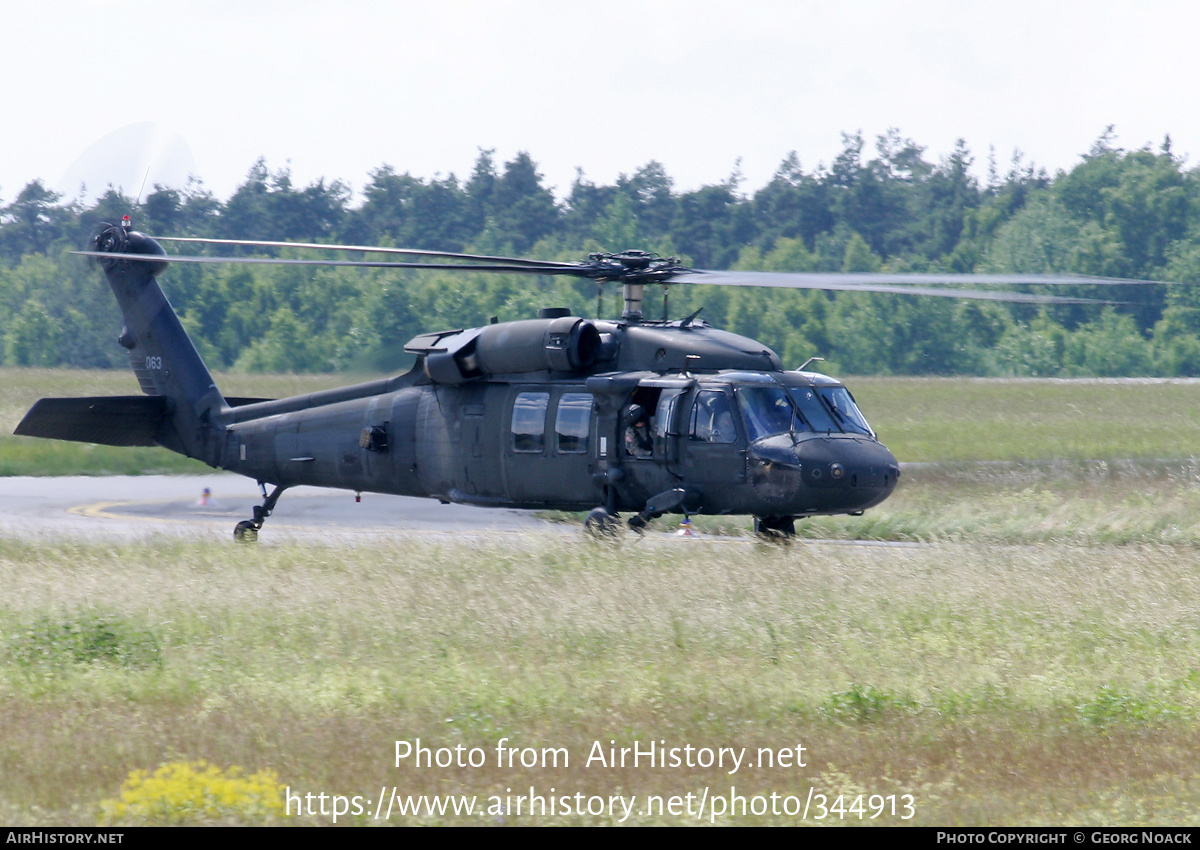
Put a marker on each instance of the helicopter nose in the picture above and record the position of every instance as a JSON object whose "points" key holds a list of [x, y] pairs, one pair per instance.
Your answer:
{"points": [[848, 473]]}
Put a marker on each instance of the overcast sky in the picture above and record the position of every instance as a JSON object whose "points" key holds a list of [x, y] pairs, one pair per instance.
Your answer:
{"points": [[106, 92]]}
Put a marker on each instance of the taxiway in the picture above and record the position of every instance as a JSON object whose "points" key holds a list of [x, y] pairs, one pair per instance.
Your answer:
{"points": [[132, 507]]}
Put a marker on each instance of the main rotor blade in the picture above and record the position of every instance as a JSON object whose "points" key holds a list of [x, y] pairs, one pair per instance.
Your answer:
{"points": [[561, 268], [803, 280], [903, 284], [373, 249], [611, 268]]}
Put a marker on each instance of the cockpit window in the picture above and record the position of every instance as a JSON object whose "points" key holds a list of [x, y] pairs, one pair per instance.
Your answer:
{"points": [[712, 419], [766, 411], [769, 411], [666, 412], [849, 417], [813, 411]]}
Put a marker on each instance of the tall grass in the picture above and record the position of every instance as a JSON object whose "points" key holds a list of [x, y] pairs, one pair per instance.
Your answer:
{"points": [[1081, 503], [996, 684], [1026, 656]]}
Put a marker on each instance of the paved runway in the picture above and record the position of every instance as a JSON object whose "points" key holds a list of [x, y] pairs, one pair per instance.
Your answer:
{"points": [[132, 507], [136, 507]]}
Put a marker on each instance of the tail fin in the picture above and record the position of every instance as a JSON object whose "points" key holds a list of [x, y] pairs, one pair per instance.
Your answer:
{"points": [[163, 357]]}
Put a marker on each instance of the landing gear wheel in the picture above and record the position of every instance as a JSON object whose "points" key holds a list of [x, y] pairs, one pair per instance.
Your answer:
{"points": [[602, 525], [776, 529], [245, 532]]}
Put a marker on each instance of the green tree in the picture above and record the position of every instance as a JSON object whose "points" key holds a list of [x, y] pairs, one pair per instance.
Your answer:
{"points": [[32, 222], [652, 193], [1112, 346], [32, 338], [792, 205], [288, 345], [711, 224], [522, 210], [859, 257]]}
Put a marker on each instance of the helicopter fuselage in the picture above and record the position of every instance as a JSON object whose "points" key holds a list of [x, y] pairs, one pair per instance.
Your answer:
{"points": [[762, 442]]}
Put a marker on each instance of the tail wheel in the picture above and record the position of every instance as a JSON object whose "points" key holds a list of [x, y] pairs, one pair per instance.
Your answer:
{"points": [[245, 532]]}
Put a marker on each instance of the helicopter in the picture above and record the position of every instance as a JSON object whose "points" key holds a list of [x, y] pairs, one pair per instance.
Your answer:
{"points": [[633, 415]]}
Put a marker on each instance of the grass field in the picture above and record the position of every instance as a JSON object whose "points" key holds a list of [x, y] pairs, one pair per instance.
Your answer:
{"points": [[1026, 655], [1001, 685], [972, 419]]}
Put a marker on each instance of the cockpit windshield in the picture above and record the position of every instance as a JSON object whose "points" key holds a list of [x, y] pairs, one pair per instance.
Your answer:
{"points": [[849, 417], [771, 410], [812, 411], [766, 411]]}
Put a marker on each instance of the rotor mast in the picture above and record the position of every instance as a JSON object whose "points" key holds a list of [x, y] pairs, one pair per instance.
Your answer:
{"points": [[633, 301]]}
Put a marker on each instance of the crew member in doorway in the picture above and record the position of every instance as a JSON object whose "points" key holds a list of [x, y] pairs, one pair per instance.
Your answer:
{"points": [[638, 442]]}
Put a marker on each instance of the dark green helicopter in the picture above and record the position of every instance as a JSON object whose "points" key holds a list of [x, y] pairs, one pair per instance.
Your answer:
{"points": [[558, 412]]}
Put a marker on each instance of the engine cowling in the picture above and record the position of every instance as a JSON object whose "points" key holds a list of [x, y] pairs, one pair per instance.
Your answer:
{"points": [[563, 344]]}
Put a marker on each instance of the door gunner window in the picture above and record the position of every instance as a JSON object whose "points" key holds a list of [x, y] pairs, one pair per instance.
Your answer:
{"points": [[529, 422]]}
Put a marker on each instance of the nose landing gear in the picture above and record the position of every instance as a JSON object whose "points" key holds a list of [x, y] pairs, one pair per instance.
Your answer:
{"points": [[779, 529]]}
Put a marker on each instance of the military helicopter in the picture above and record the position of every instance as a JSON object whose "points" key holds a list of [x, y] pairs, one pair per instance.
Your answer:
{"points": [[555, 412]]}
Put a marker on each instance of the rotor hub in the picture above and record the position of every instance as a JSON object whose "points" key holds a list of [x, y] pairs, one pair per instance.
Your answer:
{"points": [[633, 269]]}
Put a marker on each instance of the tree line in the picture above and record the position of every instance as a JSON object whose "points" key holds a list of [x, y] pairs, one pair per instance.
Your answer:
{"points": [[1117, 212]]}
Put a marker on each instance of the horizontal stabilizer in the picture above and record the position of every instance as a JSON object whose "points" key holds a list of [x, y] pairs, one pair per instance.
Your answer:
{"points": [[109, 420]]}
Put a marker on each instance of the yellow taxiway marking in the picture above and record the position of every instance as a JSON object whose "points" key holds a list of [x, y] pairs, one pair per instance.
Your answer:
{"points": [[104, 510], [100, 510]]}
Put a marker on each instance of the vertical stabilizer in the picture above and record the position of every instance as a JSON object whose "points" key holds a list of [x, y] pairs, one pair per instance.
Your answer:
{"points": [[163, 357]]}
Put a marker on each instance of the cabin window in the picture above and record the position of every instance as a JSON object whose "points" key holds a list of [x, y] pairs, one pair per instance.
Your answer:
{"points": [[529, 422], [572, 421]]}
